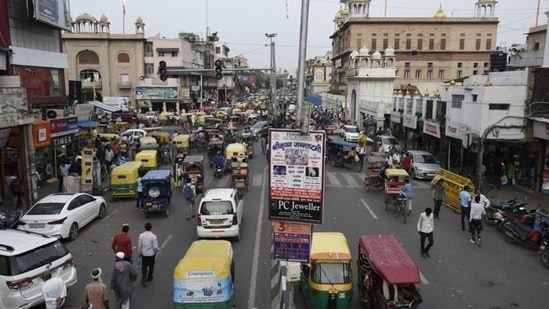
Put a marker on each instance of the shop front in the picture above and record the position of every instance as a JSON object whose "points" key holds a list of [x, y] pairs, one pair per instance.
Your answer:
{"points": [[540, 181], [431, 138], [456, 158], [409, 122], [396, 125], [159, 99], [63, 141]]}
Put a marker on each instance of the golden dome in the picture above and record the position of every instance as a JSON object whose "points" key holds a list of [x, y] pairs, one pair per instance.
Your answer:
{"points": [[341, 13], [440, 13]]}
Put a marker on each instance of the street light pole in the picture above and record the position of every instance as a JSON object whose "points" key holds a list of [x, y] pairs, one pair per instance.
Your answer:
{"points": [[273, 70]]}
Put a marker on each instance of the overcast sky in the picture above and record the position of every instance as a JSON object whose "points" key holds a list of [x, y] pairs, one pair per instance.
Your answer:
{"points": [[242, 24]]}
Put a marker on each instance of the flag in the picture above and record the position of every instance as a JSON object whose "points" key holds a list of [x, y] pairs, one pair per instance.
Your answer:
{"points": [[124, 7]]}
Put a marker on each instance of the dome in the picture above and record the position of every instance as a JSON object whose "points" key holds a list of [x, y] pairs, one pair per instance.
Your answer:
{"points": [[104, 19], [440, 13], [364, 51], [139, 20], [376, 55], [390, 51], [354, 54], [341, 13], [485, 1], [85, 17]]}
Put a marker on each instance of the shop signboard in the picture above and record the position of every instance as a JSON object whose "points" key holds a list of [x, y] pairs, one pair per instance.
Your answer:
{"points": [[409, 121], [53, 12], [292, 241], [296, 176], [72, 123], [59, 125], [156, 93], [541, 128], [455, 129], [395, 117], [431, 128], [87, 170], [62, 140]]}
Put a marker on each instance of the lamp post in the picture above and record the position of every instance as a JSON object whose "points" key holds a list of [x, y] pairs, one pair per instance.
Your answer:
{"points": [[273, 69]]}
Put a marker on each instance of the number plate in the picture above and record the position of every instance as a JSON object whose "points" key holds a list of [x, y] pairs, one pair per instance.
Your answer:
{"points": [[216, 221], [36, 225]]}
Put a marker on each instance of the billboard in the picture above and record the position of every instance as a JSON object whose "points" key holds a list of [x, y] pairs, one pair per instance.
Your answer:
{"points": [[156, 93], [53, 12], [296, 191]]}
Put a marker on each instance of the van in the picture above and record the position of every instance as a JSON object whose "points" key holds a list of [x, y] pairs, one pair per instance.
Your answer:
{"points": [[24, 256], [220, 214]]}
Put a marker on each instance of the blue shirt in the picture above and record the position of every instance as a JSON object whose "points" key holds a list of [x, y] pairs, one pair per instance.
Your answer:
{"points": [[218, 160], [464, 198], [407, 190]]}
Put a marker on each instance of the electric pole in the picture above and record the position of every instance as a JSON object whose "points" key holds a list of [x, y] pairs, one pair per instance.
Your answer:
{"points": [[273, 71]]}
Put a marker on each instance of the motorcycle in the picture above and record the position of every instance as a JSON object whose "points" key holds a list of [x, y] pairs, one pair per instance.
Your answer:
{"points": [[544, 253], [524, 234], [498, 215], [10, 220], [219, 171]]}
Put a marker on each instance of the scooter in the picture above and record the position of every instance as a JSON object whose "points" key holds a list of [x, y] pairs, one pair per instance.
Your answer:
{"points": [[517, 232], [10, 220], [219, 171]]}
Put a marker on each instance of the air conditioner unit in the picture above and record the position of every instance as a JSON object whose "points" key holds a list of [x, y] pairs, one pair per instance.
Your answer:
{"points": [[54, 113]]}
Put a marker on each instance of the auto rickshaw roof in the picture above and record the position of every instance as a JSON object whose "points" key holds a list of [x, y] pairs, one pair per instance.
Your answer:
{"points": [[341, 142], [206, 255], [396, 172], [130, 165], [194, 159], [389, 260], [157, 175], [330, 245]]}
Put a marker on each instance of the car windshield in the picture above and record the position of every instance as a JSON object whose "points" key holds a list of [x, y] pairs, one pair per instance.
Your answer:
{"points": [[216, 208], [350, 129], [35, 258], [425, 158], [258, 125], [390, 141], [46, 209], [331, 273]]}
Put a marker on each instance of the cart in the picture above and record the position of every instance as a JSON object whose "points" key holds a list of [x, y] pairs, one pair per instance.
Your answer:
{"points": [[393, 186], [241, 178], [372, 179]]}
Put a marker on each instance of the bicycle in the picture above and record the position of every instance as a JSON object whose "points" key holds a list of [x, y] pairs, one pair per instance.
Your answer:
{"points": [[401, 207], [487, 188]]}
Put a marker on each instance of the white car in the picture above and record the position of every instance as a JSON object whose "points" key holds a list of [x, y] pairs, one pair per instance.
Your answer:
{"points": [[134, 134], [24, 256], [63, 214], [220, 214], [386, 142], [350, 133]]}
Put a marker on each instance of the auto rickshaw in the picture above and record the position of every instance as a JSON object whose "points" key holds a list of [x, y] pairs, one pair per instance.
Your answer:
{"points": [[160, 136], [166, 118], [387, 276], [193, 168], [182, 143], [213, 123], [230, 150], [240, 176], [149, 159], [337, 152], [395, 180], [157, 192], [214, 146], [373, 164], [202, 119], [204, 277], [124, 179], [107, 137], [148, 143], [121, 126], [327, 281]]}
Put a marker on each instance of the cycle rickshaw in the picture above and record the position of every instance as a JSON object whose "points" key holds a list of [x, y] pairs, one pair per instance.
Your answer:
{"points": [[393, 185], [374, 162], [240, 176]]}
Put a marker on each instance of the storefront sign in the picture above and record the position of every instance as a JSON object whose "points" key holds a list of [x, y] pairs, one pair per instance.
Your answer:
{"points": [[395, 117], [409, 121], [541, 128], [292, 241], [156, 93], [87, 170], [72, 124], [83, 111], [40, 133], [455, 129], [62, 140], [296, 176], [432, 128]]}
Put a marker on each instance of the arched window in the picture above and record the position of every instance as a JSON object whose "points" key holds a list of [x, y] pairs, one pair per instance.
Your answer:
{"points": [[90, 75], [123, 58], [88, 57]]}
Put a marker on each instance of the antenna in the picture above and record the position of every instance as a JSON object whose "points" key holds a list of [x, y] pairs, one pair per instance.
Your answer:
{"points": [[207, 25]]}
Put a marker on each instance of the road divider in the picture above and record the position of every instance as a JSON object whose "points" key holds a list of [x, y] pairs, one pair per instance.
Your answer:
{"points": [[257, 243]]}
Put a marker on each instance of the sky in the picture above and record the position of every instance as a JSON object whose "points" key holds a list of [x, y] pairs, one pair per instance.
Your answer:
{"points": [[242, 24]]}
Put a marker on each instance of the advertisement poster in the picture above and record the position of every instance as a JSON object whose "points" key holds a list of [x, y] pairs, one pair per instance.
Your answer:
{"points": [[87, 170], [292, 241], [202, 287], [296, 176]]}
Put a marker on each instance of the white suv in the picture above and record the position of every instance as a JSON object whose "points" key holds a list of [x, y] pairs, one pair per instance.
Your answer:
{"points": [[220, 214], [24, 256]]}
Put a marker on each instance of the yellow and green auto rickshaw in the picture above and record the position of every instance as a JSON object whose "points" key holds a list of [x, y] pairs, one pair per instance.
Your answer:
{"points": [[230, 150], [160, 136], [149, 159], [148, 143], [108, 137], [327, 281], [124, 179], [204, 277], [202, 119], [182, 143], [193, 168]]}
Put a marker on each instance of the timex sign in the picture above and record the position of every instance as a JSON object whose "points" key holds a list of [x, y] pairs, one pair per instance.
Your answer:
{"points": [[63, 140]]}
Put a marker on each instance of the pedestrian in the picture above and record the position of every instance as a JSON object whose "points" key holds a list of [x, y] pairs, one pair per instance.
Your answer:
{"points": [[484, 201], [147, 248], [477, 212], [122, 278], [189, 190], [438, 196], [465, 203], [139, 189], [408, 192], [63, 171], [17, 189], [425, 229], [407, 161], [122, 242], [95, 292], [53, 290]]}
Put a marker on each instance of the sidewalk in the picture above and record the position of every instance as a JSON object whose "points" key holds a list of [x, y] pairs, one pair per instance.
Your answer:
{"points": [[534, 199]]}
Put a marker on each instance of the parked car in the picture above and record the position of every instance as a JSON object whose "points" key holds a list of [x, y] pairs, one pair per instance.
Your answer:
{"points": [[63, 214], [24, 256], [134, 134], [423, 165], [220, 214], [349, 133], [259, 126], [385, 143]]}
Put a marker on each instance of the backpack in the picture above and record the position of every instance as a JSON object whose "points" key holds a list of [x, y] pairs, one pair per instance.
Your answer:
{"points": [[189, 193]]}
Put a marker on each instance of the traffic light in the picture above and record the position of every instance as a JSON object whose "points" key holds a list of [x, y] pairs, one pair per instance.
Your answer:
{"points": [[218, 69], [163, 71]]}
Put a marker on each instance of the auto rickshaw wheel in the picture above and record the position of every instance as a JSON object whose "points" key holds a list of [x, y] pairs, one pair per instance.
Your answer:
{"points": [[166, 213], [357, 166], [366, 184], [386, 203]]}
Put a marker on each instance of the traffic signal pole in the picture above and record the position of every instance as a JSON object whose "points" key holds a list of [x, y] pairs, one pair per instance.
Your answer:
{"points": [[302, 118]]}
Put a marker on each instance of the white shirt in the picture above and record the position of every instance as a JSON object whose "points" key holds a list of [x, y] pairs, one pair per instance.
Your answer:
{"points": [[148, 244], [64, 169], [477, 210], [139, 185], [484, 200], [52, 289], [425, 224], [109, 155]]}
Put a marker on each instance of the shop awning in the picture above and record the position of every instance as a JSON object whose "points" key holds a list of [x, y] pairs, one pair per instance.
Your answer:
{"points": [[87, 123]]}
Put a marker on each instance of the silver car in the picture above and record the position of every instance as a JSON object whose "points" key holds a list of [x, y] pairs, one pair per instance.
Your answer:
{"points": [[423, 165]]}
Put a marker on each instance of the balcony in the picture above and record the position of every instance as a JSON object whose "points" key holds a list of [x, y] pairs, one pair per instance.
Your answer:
{"points": [[125, 85], [86, 84]]}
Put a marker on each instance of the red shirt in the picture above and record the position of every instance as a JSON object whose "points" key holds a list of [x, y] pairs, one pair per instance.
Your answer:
{"points": [[406, 161], [122, 242]]}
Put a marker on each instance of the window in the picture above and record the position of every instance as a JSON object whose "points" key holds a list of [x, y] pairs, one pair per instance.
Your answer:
{"points": [[431, 44], [488, 44], [55, 86], [475, 72], [359, 43], [429, 109], [397, 44], [216, 208], [461, 44], [486, 64], [440, 74], [90, 75], [123, 58], [407, 65], [374, 44], [536, 46], [442, 44], [174, 54], [408, 43], [406, 74], [38, 257], [409, 106], [160, 54], [474, 97], [385, 43], [477, 44], [460, 65], [419, 107], [459, 73], [420, 44], [475, 65], [457, 100], [418, 74], [499, 106], [149, 49], [429, 74], [429, 65], [149, 69], [331, 273], [124, 77], [218, 49]]}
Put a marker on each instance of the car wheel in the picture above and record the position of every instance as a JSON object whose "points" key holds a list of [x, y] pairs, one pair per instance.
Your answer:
{"points": [[237, 238], [73, 232], [413, 174], [102, 211]]}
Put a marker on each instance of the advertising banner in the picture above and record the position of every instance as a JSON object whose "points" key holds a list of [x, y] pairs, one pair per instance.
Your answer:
{"points": [[296, 176], [87, 170], [292, 241], [53, 12], [203, 286], [156, 93]]}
